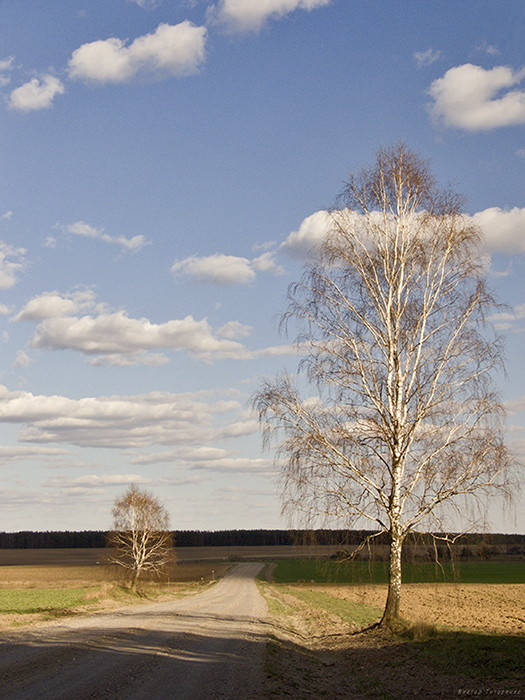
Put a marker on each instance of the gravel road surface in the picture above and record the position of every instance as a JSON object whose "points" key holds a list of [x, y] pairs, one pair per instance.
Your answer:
{"points": [[208, 646]]}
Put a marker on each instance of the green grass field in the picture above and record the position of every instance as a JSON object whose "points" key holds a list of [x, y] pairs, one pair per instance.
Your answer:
{"points": [[319, 571], [37, 600]]}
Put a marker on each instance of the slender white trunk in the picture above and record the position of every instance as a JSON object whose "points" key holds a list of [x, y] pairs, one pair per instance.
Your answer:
{"points": [[391, 613]]}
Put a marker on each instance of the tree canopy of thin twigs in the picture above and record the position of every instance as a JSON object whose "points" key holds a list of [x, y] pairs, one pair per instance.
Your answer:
{"points": [[140, 537], [405, 424]]}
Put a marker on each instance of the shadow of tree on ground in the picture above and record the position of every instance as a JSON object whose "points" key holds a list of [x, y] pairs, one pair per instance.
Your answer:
{"points": [[375, 664]]}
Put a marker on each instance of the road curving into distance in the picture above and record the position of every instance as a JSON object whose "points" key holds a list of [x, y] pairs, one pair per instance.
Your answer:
{"points": [[210, 645]]}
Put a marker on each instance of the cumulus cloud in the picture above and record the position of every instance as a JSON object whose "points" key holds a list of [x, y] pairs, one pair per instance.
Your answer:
{"points": [[472, 98], [118, 340], [426, 58], [80, 228], [171, 50], [77, 321], [310, 234], [36, 94], [55, 305], [125, 422], [234, 330], [115, 334], [12, 262], [245, 15], [225, 269], [504, 229]]}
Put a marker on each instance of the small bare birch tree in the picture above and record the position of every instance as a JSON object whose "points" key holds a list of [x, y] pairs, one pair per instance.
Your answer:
{"points": [[392, 323], [140, 535]]}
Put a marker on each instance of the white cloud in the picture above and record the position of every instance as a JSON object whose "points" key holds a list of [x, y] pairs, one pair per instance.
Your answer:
{"points": [[146, 4], [266, 263], [207, 458], [225, 269], [126, 422], [8, 268], [216, 269], [94, 481], [243, 15], [18, 453], [508, 319], [8, 215], [504, 230], [22, 359], [117, 340], [80, 228], [472, 98], [55, 305], [114, 339], [7, 63], [233, 330], [426, 58], [36, 94], [278, 351], [118, 335], [310, 234], [174, 50]]}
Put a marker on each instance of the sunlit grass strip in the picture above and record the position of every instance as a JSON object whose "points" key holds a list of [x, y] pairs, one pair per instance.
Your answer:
{"points": [[319, 571], [348, 611], [27, 601]]}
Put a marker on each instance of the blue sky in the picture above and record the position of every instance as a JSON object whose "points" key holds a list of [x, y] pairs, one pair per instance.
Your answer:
{"points": [[163, 169]]}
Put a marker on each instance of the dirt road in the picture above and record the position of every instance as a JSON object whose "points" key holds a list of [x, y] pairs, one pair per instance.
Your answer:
{"points": [[206, 646]]}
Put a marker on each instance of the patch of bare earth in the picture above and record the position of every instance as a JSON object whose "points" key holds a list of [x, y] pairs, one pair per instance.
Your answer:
{"points": [[492, 608], [314, 654]]}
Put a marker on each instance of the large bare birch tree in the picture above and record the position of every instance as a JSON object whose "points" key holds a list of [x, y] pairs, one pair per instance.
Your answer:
{"points": [[404, 424], [140, 537]]}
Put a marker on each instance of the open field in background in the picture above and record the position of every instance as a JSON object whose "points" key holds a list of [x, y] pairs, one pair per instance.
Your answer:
{"points": [[92, 556], [361, 572], [65, 579]]}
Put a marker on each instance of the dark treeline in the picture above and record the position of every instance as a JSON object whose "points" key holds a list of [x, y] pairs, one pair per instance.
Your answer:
{"points": [[240, 538]]}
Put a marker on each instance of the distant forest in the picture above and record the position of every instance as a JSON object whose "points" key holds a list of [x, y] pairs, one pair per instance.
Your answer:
{"points": [[238, 538]]}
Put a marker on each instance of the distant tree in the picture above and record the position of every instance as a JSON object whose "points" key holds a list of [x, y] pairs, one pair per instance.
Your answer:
{"points": [[140, 537], [392, 326]]}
